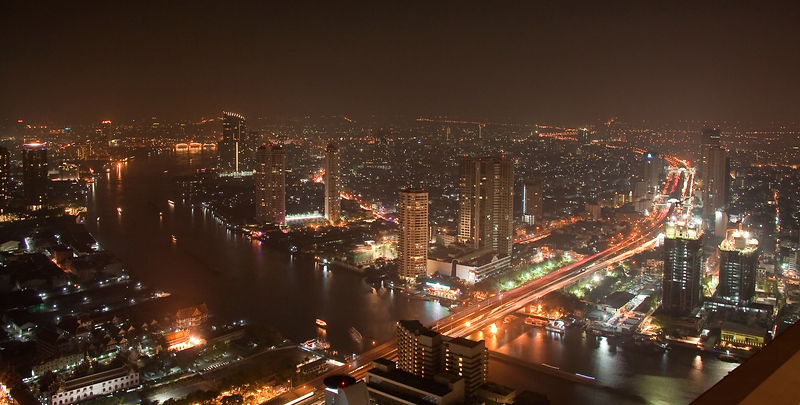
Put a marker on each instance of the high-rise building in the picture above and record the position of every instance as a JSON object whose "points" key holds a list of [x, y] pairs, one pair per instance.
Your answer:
{"points": [[333, 198], [715, 180], [486, 198], [270, 179], [652, 172], [532, 199], [418, 349], [98, 142], [682, 281], [711, 138], [584, 136], [34, 175], [231, 147], [426, 353], [412, 247], [4, 177], [738, 264], [468, 359]]}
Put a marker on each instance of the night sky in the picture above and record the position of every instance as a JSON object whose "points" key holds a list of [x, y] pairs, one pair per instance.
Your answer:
{"points": [[549, 61]]}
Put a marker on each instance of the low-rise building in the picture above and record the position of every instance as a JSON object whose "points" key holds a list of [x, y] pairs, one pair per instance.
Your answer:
{"points": [[102, 383], [388, 385]]}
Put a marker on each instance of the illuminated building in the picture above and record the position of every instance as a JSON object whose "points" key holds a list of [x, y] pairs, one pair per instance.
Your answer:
{"points": [[345, 390], [93, 385], [710, 138], [652, 172], [486, 198], [412, 248], [34, 175], [584, 136], [333, 199], [418, 349], [388, 385], [98, 145], [532, 210], [231, 147], [738, 267], [4, 177], [426, 353], [715, 180], [683, 267], [468, 359], [270, 185]]}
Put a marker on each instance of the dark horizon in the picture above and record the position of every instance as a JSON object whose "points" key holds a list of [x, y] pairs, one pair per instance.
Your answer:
{"points": [[533, 62]]}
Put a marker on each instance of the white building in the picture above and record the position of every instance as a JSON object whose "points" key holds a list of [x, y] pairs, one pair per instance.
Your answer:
{"points": [[103, 383]]}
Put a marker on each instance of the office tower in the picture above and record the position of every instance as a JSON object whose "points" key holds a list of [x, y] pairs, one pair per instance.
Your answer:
{"points": [[418, 349], [486, 198], [270, 179], [715, 180], [231, 147], [682, 282], [345, 390], [34, 175], [639, 188], [468, 359], [711, 138], [652, 172], [584, 136], [532, 196], [412, 248], [738, 263], [4, 177], [333, 199]]}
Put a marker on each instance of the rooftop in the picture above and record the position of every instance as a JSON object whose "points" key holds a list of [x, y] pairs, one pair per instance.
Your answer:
{"points": [[405, 378]]}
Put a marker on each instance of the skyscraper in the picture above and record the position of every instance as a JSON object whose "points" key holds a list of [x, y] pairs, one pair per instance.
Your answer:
{"points": [[412, 248], [468, 359], [738, 267], [486, 198], [4, 177], [682, 281], [715, 180], [652, 172], [711, 138], [333, 200], [532, 197], [424, 352], [418, 349], [34, 175], [270, 179], [231, 147]]}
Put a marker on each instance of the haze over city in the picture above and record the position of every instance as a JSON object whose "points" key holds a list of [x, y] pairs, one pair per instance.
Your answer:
{"points": [[375, 203]]}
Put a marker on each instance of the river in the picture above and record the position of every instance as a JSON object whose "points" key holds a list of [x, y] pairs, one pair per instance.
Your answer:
{"points": [[238, 278]]}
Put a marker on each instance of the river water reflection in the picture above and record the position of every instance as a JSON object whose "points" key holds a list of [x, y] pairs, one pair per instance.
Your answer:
{"points": [[237, 277]]}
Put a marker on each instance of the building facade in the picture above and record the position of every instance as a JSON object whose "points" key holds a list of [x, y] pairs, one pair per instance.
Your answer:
{"points": [[4, 178], [270, 185], [333, 198], [231, 148], [34, 175], [412, 247], [532, 199], [738, 266], [486, 199], [715, 180], [418, 349], [468, 359], [94, 385], [682, 282]]}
